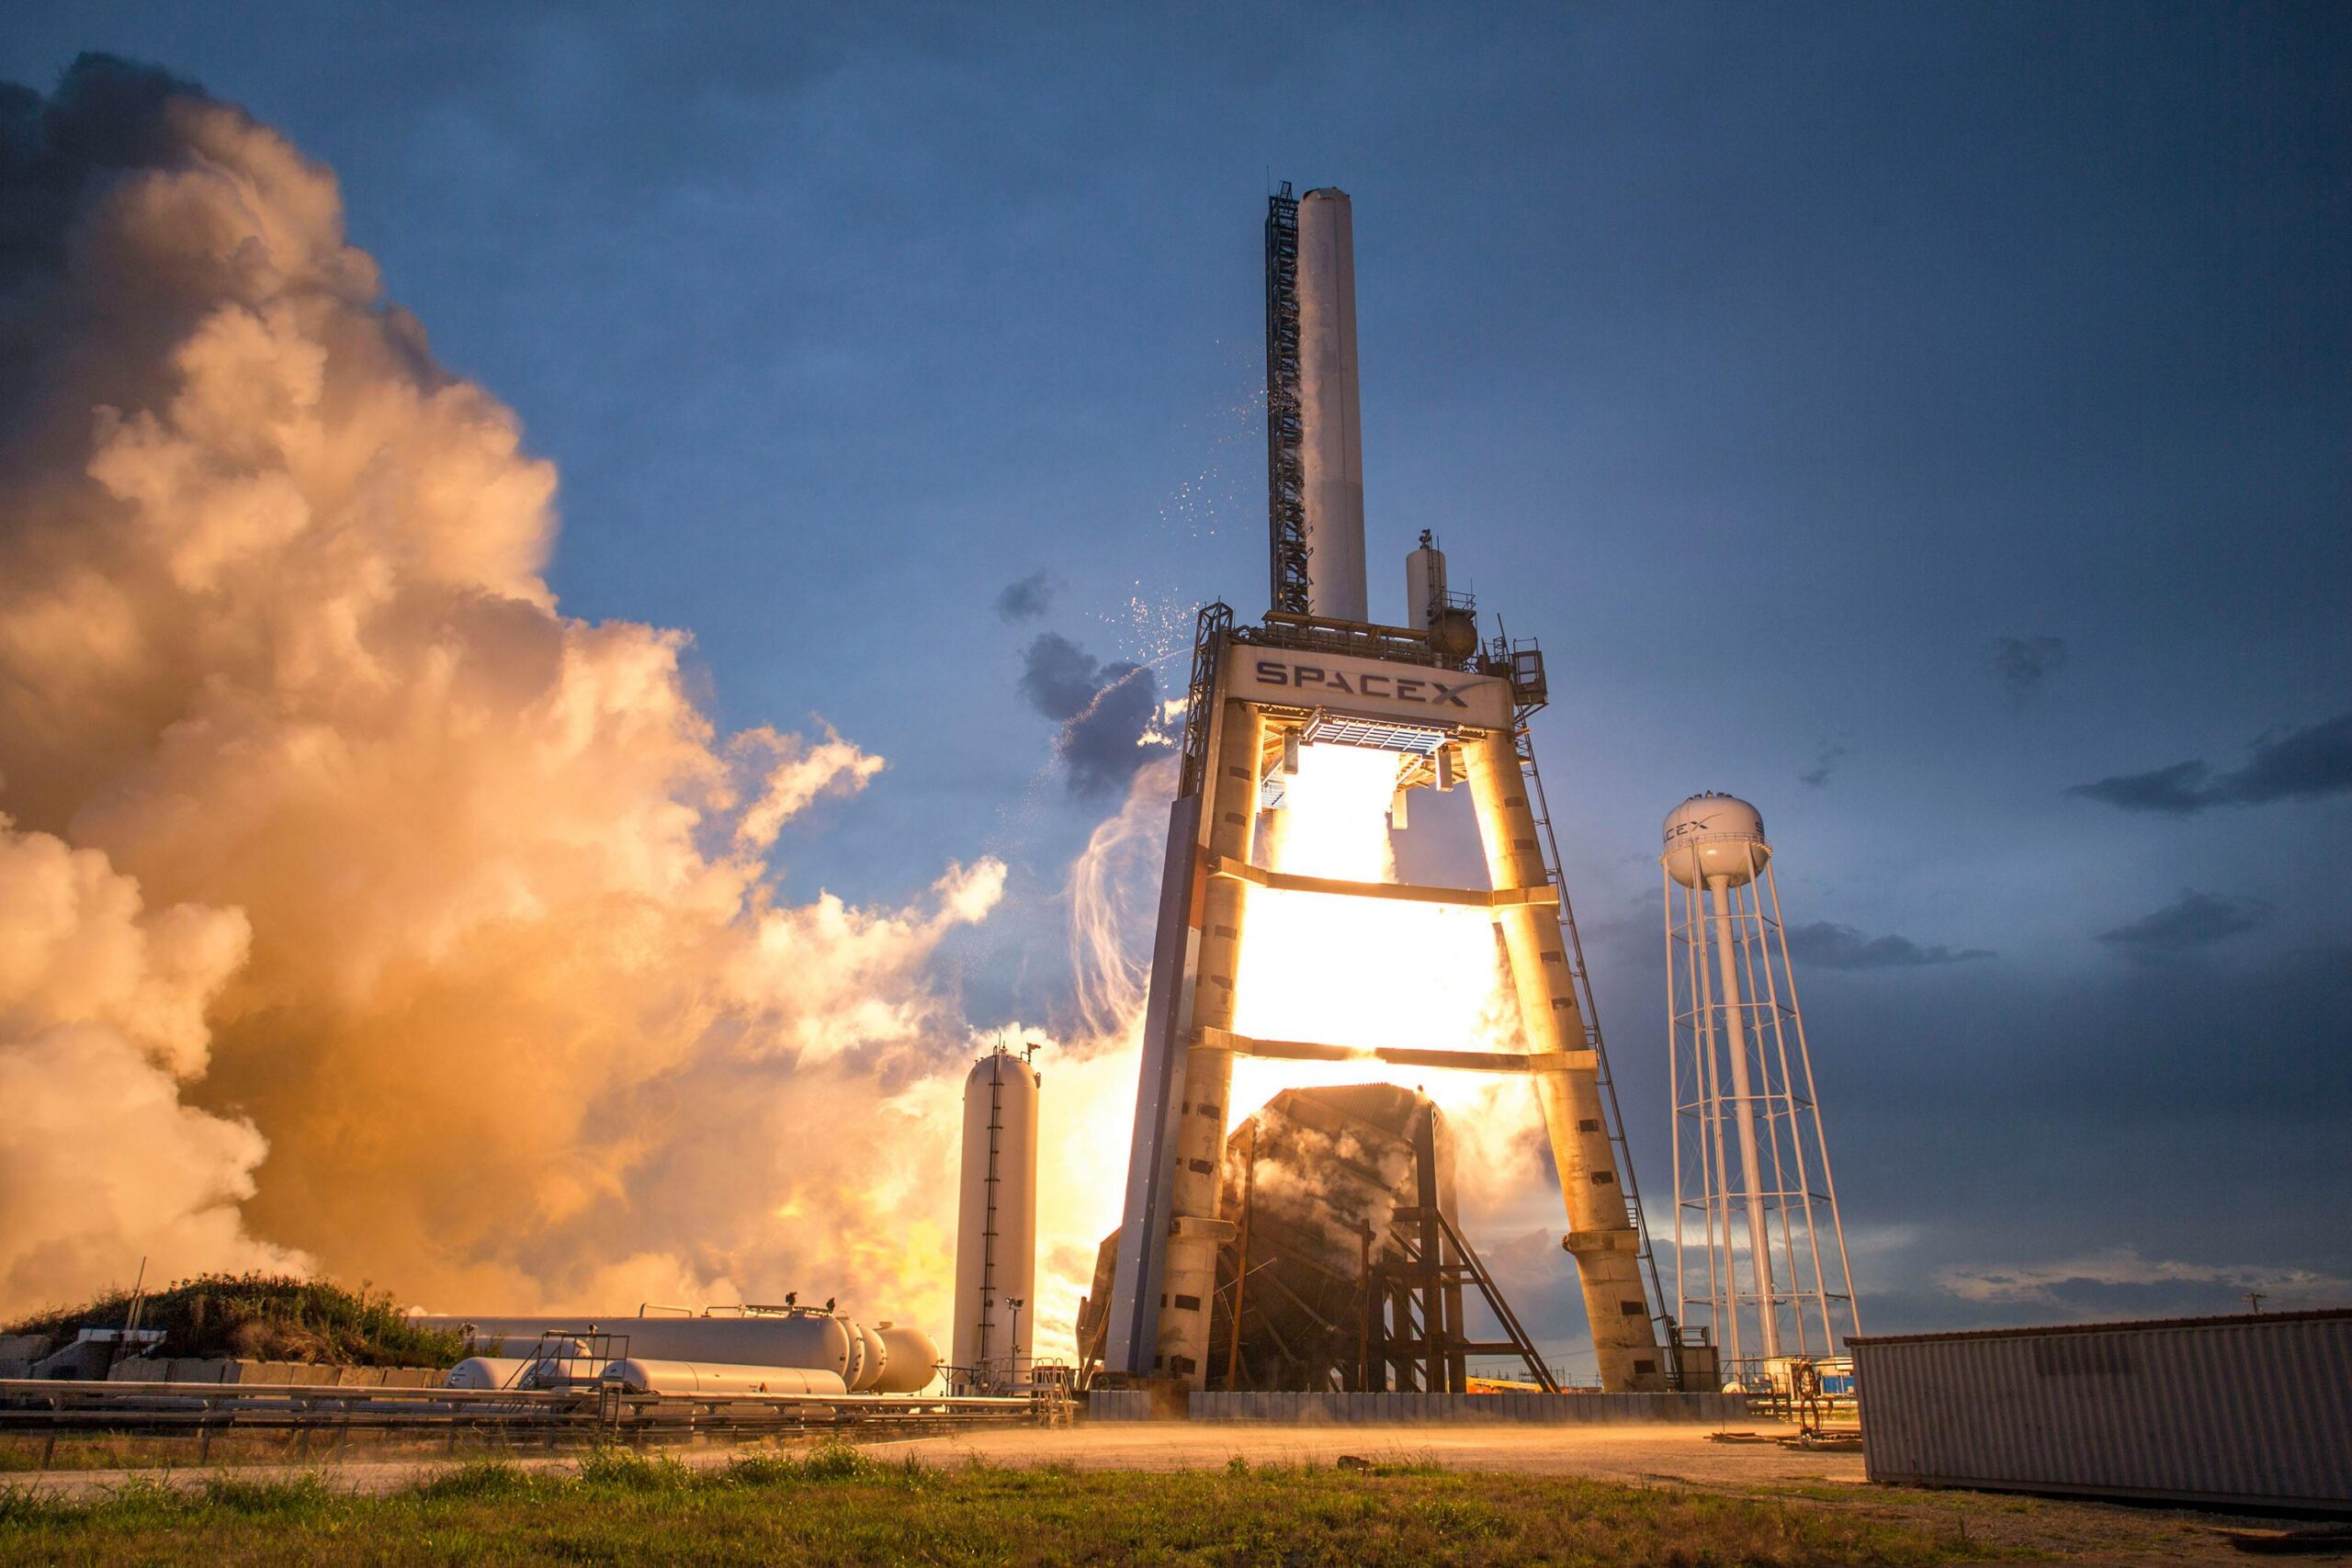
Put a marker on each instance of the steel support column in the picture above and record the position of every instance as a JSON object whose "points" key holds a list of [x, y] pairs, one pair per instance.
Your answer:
{"points": [[1601, 1230], [1229, 805]]}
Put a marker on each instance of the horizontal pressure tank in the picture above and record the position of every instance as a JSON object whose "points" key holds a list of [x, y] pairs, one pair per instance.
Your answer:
{"points": [[1711, 838], [488, 1371], [642, 1375], [996, 1228], [816, 1341], [911, 1359], [865, 1358]]}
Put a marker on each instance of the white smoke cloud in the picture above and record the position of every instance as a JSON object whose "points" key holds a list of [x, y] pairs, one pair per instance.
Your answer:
{"points": [[463, 966], [1110, 884], [102, 1008]]}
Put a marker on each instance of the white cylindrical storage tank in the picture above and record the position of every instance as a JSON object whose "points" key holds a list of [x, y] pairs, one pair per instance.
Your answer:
{"points": [[647, 1375], [911, 1359], [553, 1372], [996, 1230], [488, 1371], [819, 1341], [1331, 450], [1714, 836], [1424, 584]]}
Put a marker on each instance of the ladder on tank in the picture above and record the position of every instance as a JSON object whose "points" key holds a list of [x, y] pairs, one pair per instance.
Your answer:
{"points": [[1613, 1121], [987, 1326]]}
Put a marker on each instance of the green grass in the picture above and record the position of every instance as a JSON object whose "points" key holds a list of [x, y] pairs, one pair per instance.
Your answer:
{"points": [[837, 1504]]}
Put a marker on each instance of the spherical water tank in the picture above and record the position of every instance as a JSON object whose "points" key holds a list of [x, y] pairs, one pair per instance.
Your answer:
{"points": [[646, 1375], [1713, 836], [911, 1359], [996, 1230]]}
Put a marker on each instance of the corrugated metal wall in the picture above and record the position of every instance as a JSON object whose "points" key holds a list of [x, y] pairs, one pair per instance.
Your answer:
{"points": [[2246, 1411]]}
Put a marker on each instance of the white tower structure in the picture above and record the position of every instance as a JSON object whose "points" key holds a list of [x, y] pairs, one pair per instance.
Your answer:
{"points": [[996, 1232], [1760, 1254], [1314, 417], [1330, 408]]}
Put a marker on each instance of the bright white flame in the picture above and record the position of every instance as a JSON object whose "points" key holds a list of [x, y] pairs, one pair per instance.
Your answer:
{"points": [[1371, 972]]}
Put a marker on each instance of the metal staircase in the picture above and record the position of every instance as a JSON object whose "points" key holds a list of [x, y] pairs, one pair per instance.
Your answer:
{"points": [[1613, 1120]]}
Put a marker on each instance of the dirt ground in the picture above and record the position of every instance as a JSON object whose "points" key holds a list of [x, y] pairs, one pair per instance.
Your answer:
{"points": [[1660, 1455], [1677, 1456], [1636, 1455]]}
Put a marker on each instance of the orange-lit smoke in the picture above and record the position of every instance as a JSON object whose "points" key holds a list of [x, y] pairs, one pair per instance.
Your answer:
{"points": [[361, 907]]}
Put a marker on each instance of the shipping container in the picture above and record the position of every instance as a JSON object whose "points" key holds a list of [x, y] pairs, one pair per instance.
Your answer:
{"points": [[2251, 1412]]}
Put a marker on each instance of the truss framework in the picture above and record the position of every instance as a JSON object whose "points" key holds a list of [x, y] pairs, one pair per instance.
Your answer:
{"points": [[1760, 1259], [1172, 1230]]}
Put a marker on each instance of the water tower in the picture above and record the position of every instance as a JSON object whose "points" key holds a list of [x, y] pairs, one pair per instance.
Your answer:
{"points": [[1760, 1254]]}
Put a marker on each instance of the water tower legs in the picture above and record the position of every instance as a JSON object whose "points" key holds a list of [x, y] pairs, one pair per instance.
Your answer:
{"points": [[1743, 1097]]}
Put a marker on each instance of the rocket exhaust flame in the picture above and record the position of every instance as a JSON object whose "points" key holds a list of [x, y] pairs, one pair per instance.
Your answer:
{"points": [[1374, 973]]}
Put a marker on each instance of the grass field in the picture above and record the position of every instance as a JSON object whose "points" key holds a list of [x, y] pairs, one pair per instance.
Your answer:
{"points": [[839, 1506]]}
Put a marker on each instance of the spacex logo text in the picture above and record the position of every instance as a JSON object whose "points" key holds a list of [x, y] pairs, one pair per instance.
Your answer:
{"points": [[1407, 688]]}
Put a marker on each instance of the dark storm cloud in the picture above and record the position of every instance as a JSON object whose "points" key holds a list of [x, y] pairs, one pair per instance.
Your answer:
{"points": [[1109, 712], [1826, 945], [1058, 678], [106, 116], [1825, 763], [2023, 664], [2300, 765], [1027, 599], [2192, 921]]}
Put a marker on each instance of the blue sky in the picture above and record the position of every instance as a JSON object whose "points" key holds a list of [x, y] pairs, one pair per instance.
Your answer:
{"points": [[1899, 415]]}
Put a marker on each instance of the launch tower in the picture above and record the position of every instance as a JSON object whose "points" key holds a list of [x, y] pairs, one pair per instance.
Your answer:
{"points": [[1318, 672]]}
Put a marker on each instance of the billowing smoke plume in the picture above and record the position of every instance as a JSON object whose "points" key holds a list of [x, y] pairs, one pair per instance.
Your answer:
{"points": [[101, 1013], [1113, 723], [359, 904]]}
